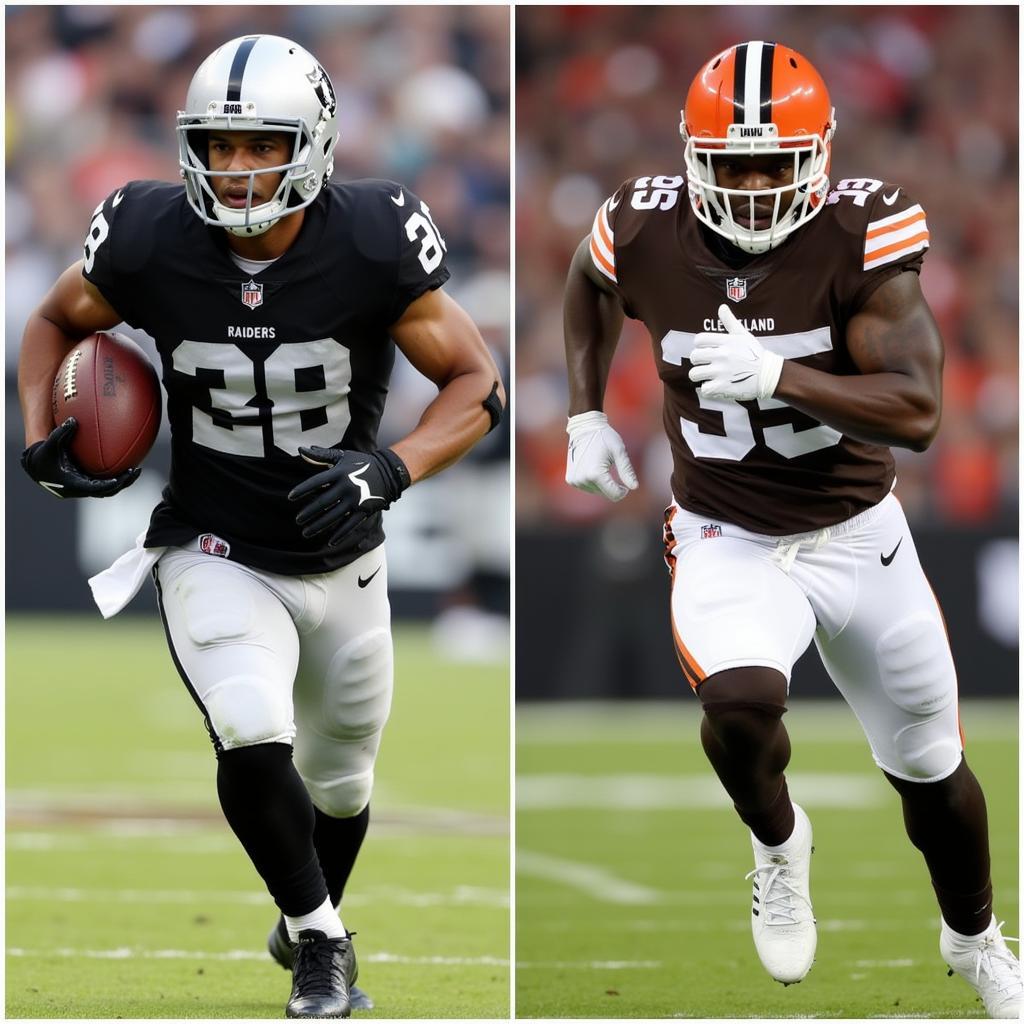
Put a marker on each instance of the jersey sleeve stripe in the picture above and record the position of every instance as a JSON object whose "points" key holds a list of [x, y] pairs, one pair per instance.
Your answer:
{"points": [[891, 238], [602, 245], [893, 252], [875, 229], [601, 263], [894, 217], [605, 228]]}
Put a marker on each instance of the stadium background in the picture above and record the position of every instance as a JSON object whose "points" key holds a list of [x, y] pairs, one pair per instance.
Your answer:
{"points": [[91, 98], [926, 97]]}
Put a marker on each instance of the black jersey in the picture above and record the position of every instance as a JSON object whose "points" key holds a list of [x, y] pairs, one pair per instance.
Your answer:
{"points": [[257, 365], [761, 465]]}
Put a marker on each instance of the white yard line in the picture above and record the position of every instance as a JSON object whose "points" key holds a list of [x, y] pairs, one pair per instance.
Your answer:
{"points": [[460, 896], [590, 965], [904, 962], [648, 792], [604, 723], [130, 953], [591, 879]]}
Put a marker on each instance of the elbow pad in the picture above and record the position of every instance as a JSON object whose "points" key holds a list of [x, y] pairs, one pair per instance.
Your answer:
{"points": [[493, 406]]}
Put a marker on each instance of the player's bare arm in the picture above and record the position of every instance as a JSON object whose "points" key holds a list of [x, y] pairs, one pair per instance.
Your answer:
{"points": [[438, 337], [895, 343], [592, 319], [71, 310], [593, 322]]}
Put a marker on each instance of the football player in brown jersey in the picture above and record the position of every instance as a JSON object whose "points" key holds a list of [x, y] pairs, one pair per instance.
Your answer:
{"points": [[795, 347]]}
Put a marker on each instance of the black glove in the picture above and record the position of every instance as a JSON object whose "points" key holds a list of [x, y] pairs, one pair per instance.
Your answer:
{"points": [[354, 487], [50, 465]]}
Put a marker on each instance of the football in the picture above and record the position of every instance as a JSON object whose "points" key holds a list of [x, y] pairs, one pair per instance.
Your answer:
{"points": [[110, 387]]}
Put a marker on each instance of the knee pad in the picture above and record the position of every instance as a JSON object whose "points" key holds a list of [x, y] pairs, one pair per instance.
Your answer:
{"points": [[357, 697], [246, 710], [916, 666], [928, 750], [343, 797]]}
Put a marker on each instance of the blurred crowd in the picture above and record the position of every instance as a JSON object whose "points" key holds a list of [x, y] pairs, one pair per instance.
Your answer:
{"points": [[423, 98], [925, 97]]}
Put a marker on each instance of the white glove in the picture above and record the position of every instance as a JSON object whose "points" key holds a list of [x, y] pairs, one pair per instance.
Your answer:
{"points": [[734, 365], [594, 447]]}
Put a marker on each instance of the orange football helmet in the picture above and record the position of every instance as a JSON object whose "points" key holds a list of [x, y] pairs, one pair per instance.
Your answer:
{"points": [[753, 99]]}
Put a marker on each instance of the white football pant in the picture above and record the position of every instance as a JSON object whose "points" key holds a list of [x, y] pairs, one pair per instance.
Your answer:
{"points": [[741, 598], [305, 660]]}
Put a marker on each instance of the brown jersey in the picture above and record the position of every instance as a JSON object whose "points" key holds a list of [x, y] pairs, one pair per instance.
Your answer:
{"points": [[761, 465]]}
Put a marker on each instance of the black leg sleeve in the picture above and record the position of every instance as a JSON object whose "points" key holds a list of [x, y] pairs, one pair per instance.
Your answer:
{"points": [[337, 842], [268, 808]]}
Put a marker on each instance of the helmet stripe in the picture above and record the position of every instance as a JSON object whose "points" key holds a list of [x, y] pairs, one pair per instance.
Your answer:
{"points": [[767, 61], [238, 68], [739, 82], [752, 83]]}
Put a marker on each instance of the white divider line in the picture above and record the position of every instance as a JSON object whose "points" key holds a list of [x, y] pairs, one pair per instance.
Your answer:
{"points": [[647, 792], [461, 896], [591, 879], [131, 953]]}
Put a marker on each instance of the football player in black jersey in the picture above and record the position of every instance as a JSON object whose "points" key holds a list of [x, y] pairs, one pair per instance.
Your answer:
{"points": [[795, 347], [275, 299]]}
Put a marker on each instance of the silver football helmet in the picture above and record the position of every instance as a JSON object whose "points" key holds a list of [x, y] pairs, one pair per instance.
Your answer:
{"points": [[258, 82]]}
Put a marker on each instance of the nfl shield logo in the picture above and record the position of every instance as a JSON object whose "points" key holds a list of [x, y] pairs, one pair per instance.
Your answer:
{"points": [[211, 544], [252, 294], [709, 531], [736, 288]]}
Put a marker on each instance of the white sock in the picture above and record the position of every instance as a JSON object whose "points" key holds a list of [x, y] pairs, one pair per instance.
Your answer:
{"points": [[969, 941], [324, 919]]}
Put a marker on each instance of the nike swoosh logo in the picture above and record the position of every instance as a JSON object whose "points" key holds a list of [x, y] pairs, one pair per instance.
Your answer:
{"points": [[889, 200], [399, 200], [117, 199], [364, 488], [54, 489], [886, 561], [362, 583], [611, 205]]}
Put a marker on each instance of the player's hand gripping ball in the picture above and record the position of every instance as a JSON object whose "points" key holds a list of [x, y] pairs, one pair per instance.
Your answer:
{"points": [[106, 404]]}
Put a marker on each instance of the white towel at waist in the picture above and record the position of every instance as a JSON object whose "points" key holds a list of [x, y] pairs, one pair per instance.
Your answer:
{"points": [[113, 588]]}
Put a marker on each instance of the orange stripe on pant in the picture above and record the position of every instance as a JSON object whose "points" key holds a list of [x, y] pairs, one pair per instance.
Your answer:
{"points": [[695, 675]]}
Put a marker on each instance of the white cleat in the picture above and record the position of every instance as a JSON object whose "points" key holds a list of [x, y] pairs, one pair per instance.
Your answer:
{"points": [[782, 918], [988, 967]]}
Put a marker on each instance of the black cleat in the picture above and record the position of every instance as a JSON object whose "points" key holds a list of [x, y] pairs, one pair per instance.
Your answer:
{"points": [[282, 949], [324, 968]]}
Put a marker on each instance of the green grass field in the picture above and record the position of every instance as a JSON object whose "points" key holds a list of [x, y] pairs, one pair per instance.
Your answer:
{"points": [[127, 895], [630, 897]]}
